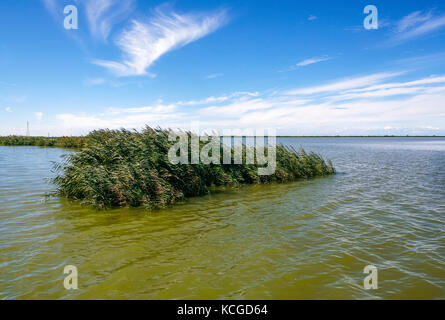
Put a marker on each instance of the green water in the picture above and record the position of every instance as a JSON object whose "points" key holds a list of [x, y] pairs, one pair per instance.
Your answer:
{"points": [[304, 240]]}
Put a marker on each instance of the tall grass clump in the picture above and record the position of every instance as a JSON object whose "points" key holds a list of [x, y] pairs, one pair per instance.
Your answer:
{"points": [[129, 168]]}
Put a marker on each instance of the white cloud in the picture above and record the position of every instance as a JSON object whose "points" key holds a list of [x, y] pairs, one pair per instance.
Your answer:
{"points": [[344, 84], [312, 17], [38, 115], [51, 6], [425, 60], [312, 61], [156, 109], [412, 20], [415, 25], [237, 108], [429, 80], [367, 94], [306, 62], [8, 109], [241, 95], [144, 43], [139, 120], [102, 15], [360, 105]]}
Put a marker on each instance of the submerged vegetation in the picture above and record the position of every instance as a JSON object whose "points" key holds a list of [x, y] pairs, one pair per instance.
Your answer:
{"points": [[60, 142], [129, 168]]}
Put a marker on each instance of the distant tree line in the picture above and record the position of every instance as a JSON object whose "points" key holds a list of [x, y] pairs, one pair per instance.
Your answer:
{"points": [[60, 142]]}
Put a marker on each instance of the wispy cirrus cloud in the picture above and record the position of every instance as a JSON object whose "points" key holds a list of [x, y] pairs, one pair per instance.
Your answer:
{"points": [[412, 20], [214, 75], [312, 17], [312, 61], [415, 25], [361, 105], [142, 42], [145, 42], [391, 85], [343, 84], [51, 6], [423, 60], [307, 62], [38, 115], [102, 15]]}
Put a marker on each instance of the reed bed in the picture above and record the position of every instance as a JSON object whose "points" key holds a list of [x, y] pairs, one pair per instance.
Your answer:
{"points": [[60, 142], [121, 168]]}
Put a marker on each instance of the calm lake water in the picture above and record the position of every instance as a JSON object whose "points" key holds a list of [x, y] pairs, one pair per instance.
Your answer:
{"points": [[305, 240]]}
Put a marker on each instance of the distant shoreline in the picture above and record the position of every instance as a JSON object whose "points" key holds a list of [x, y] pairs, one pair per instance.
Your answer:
{"points": [[336, 136], [361, 136]]}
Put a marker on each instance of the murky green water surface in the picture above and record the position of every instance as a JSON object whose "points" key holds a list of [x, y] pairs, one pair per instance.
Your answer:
{"points": [[304, 240]]}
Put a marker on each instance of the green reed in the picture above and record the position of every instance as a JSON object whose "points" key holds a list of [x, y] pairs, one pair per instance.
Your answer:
{"points": [[60, 142], [129, 168]]}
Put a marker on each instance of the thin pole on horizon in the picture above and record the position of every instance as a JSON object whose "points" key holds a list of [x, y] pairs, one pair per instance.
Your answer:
{"points": [[27, 129]]}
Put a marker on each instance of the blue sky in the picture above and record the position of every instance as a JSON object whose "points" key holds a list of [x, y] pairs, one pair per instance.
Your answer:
{"points": [[302, 67]]}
